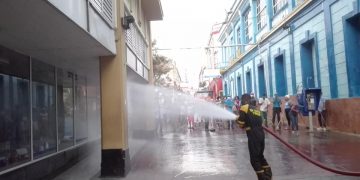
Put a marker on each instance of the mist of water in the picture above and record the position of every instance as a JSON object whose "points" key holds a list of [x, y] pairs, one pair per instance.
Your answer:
{"points": [[150, 100]]}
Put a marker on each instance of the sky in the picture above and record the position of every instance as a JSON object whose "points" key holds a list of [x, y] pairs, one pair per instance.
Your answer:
{"points": [[188, 23]]}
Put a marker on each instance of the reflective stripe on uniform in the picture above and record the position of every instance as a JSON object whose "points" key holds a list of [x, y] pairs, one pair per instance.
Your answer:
{"points": [[255, 112], [245, 108], [248, 128], [267, 166], [258, 172]]}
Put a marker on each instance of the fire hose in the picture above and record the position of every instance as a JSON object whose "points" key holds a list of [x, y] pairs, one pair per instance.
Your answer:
{"points": [[315, 162]]}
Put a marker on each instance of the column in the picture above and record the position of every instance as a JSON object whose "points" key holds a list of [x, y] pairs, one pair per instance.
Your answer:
{"points": [[115, 158]]}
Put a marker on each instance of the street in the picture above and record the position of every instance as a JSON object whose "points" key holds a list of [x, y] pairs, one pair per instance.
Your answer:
{"points": [[198, 154]]}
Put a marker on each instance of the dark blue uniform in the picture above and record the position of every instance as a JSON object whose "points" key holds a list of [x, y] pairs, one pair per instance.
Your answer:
{"points": [[250, 119]]}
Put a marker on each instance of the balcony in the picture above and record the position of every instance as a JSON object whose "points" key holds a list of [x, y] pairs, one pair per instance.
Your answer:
{"points": [[56, 30], [221, 65], [152, 9]]}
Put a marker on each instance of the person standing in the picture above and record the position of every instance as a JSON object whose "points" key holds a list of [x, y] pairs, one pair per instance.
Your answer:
{"points": [[276, 111], [253, 99], [237, 102], [250, 119], [287, 111], [294, 111], [264, 105], [190, 117], [229, 106], [235, 110], [321, 114]]}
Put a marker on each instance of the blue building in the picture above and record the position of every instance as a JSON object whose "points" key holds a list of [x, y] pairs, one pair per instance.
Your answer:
{"points": [[283, 46]]}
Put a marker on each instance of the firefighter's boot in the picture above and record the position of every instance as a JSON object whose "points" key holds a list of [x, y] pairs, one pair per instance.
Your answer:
{"points": [[261, 175], [267, 172]]}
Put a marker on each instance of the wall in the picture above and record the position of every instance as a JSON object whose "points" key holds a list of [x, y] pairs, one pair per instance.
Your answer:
{"points": [[101, 30], [322, 22], [338, 11], [75, 10], [314, 26], [282, 46], [343, 115], [289, 41]]}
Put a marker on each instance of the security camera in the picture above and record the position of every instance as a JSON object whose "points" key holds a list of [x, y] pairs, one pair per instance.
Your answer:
{"points": [[126, 21]]}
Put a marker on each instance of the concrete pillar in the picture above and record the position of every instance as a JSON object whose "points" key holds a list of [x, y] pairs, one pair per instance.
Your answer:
{"points": [[115, 158]]}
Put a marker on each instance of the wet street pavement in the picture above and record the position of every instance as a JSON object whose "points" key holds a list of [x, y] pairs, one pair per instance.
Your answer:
{"points": [[333, 149], [197, 154]]}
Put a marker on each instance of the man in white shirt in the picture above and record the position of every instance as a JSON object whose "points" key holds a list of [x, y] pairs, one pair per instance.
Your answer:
{"points": [[321, 114], [264, 105]]}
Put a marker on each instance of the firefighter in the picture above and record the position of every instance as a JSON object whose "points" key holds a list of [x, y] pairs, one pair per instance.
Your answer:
{"points": [[250, 119]]}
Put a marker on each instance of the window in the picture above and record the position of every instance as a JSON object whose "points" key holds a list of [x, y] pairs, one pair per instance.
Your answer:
{"points": [[278, 5], [81, 123], [238, 32], [65, 98], [14, 109], [232, 52], [247, 26], [43, 108], [223, 53], [261, 14]]}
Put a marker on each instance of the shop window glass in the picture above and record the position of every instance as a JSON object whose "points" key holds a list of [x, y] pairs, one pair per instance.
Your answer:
{"points": [[14, 109], [81, 123], [65, 114], [43, 108]]}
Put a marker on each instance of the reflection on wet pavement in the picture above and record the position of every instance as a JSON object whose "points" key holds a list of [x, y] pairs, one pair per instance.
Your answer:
{"points": [[205, 155], [335, 150]]}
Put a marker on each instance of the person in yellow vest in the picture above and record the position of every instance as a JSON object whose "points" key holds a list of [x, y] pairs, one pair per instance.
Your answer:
{"points": [[250, 119]]}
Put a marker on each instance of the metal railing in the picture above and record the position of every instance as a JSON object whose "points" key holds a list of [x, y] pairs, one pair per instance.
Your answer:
{"points": [[137, 43]]}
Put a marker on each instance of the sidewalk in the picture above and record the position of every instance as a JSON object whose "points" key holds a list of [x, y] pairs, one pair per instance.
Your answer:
{"points": [[333, 149]]}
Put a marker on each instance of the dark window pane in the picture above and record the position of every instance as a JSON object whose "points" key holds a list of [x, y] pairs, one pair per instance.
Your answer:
{"points": [[43, 106], [14, 109], [81, 123], [65, 95], [14, 64]]}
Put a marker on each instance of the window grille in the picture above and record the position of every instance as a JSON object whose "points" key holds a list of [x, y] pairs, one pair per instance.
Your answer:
{"points": [[261, 14], [136, 42], [105, 9], [247, 25], [278, 5]]}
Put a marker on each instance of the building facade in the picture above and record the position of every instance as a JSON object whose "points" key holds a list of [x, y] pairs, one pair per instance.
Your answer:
{"points": [[209, 76], [56, 57], [287, 45]]}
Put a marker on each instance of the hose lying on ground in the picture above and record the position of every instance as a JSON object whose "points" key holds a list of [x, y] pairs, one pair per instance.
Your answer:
{"points": [[317, 163]]}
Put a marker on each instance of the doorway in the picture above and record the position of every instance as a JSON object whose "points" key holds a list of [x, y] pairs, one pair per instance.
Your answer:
{"points": [[352, 46], [280, 78], [248, 82], [261, 79]]}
